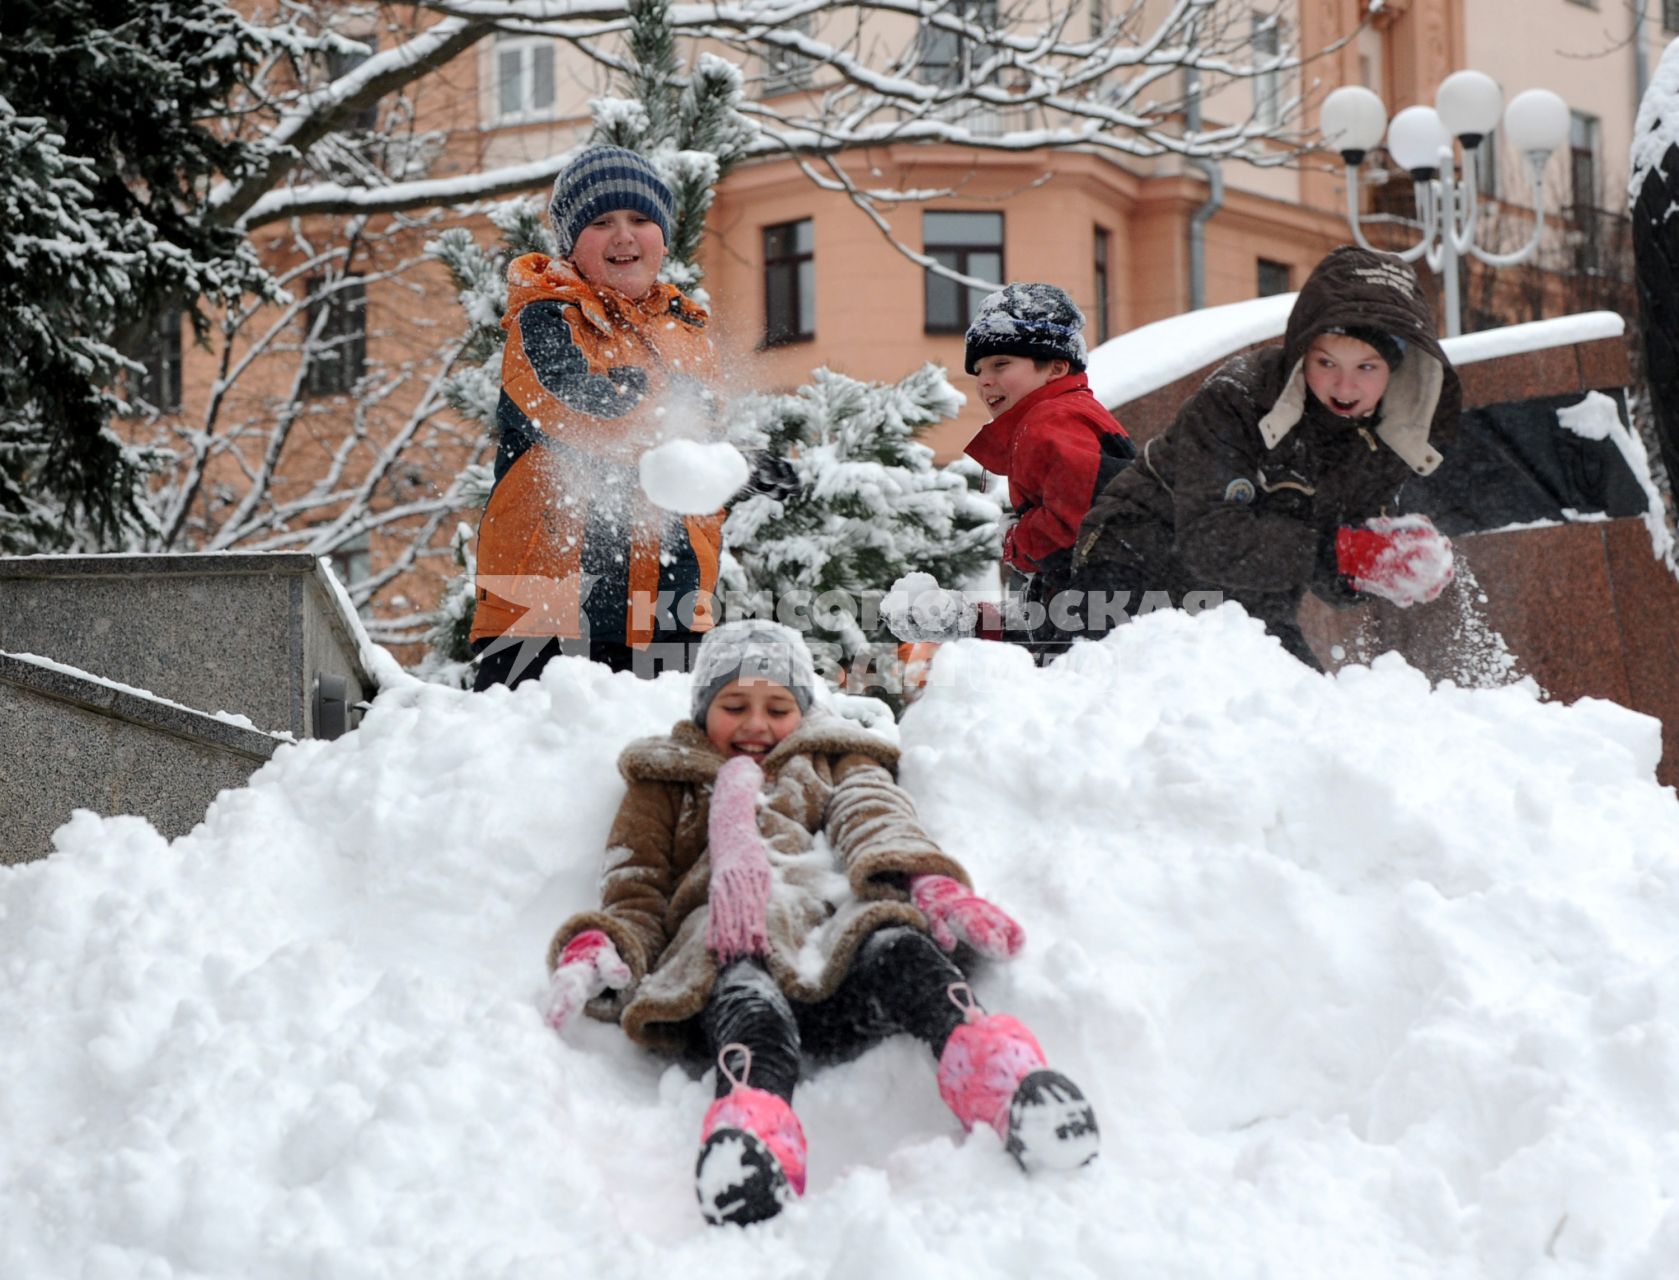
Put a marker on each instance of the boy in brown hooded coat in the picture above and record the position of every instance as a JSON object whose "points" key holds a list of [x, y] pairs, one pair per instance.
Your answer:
{"points": [[1282, 474], [769, 893]]}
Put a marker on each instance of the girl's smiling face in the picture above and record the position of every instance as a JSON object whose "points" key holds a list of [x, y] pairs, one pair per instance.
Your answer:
{"points": [[749, 717], [1347, 375]]}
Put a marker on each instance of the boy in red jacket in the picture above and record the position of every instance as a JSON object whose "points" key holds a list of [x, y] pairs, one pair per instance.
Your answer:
{"points": [[1050, 436]]}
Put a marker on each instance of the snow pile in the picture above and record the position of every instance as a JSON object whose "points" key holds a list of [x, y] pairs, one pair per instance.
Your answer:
{"points": [[692, 478], [1363, 979]]}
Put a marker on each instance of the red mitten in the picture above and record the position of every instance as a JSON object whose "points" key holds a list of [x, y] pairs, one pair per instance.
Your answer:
{"points": [[740, 870], [957, 914], [1402, 559], [588, 966]]}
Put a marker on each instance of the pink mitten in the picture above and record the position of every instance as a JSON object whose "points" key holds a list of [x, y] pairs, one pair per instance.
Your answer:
{"points": [[588, 966], [957, 914], [740, 870], [1402, 559]]}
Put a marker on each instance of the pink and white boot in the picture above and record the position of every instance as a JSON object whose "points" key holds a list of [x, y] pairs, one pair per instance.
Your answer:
{"points": [[752, 1151], [993, 1071]]}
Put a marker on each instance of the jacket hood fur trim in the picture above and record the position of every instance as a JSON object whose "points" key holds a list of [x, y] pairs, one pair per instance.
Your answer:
{"points": [[687, 755], [1413, 395]]}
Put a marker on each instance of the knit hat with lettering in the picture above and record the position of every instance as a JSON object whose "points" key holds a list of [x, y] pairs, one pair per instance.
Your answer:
{"points": [[1035, 320], [600, 180], [751, 648]]}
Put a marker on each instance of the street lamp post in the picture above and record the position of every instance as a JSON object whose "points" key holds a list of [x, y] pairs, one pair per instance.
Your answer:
{"points": [[1466, 107]]}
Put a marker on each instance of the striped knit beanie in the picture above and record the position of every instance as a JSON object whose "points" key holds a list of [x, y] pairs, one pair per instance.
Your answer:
{"points": [[600, 180]]}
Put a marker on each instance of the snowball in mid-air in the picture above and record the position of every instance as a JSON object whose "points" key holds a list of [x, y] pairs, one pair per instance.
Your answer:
{"points": [[918, 608], [692, 478]]}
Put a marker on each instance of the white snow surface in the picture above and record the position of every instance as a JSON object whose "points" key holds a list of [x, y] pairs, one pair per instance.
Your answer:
{"points": [[1598, 417], [1363, 979], [692, 477], [1152, 356]]}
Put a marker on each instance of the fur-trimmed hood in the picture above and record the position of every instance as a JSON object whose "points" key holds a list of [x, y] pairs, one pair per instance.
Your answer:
{"points": [[686, 755]]}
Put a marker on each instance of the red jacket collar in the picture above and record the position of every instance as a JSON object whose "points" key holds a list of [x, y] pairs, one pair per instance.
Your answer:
{"points": [[994, 445]]}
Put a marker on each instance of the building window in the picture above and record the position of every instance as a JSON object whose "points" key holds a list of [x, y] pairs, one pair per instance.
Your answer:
{"points": [[946, 57], [1268, 83], [524, 77], [969, 243], [1670, 15], [336, 355], [787, 69], [338, 66], [789, 282], [159, 350], [1271, 278], [1486, 167], [1103, 242], [1583, 140]]}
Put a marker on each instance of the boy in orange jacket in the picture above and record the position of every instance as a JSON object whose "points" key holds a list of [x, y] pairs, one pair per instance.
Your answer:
{"points": [[602, 362], [1049, 435]]}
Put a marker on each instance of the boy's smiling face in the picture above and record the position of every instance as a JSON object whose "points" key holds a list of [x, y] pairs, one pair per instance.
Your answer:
{"points": [[1004, 381], [1346, 374], [748, 717], [623, 250]]}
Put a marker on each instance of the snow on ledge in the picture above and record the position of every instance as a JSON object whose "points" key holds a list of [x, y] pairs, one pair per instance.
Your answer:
{"points": [[1130, 366], [1156, 355], [1537, 335], [234, 718]]}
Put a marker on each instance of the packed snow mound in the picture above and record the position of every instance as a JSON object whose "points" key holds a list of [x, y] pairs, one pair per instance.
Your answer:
{"points": [[1363, 979]]}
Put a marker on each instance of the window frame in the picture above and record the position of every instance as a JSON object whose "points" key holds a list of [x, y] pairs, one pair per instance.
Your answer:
{"points": [[963, 252], [525, 48], [1486, 167], [343, 336], [964, 53], [788, 71], [799, 268], [1273, 265], [365, 119], [1267, 36], [1102, 270], [160, 352], [1584, 158]]}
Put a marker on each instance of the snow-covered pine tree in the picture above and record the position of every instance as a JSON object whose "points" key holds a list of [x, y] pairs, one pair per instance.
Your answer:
{"points": [[108, 153], [689, 128], [874, 508]]}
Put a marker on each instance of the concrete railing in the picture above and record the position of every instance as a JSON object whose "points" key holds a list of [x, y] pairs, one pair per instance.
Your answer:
{"points": [[147, 684]]}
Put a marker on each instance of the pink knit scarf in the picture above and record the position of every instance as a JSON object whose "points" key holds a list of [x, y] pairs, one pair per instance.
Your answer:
{"points": [[740, 871]]}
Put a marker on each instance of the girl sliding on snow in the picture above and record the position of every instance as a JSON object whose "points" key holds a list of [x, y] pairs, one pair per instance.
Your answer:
{"points": [[724, 927]]}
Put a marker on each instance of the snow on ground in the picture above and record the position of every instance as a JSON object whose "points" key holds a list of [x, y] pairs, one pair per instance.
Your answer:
{"points": [[1364, 979]]}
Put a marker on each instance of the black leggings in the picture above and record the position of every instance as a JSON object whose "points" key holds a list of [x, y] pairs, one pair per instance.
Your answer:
{"points": [[899, 981]]}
